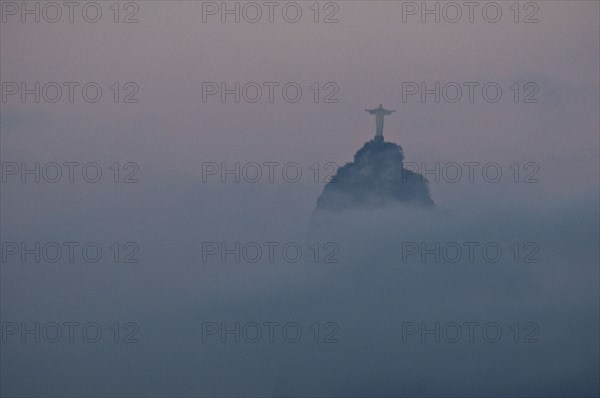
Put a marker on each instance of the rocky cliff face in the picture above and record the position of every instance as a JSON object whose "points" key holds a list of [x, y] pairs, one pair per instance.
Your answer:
{"points": [[376, 178]]}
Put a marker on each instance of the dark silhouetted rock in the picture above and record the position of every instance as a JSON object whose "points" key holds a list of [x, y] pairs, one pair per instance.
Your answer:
{"points": [[376, 178]]}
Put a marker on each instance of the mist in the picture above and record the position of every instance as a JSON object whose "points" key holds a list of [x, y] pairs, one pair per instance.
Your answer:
{"points": [[159, 262]]}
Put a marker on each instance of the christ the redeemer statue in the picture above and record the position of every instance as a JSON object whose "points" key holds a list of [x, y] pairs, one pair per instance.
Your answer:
{"points": [[379, 115]]}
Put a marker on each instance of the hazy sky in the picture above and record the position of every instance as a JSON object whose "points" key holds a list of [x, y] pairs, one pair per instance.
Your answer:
{"points": [[368, 54]]}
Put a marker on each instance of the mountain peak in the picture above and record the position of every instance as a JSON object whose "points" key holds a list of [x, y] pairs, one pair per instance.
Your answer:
{"points": [[376, 178]]}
